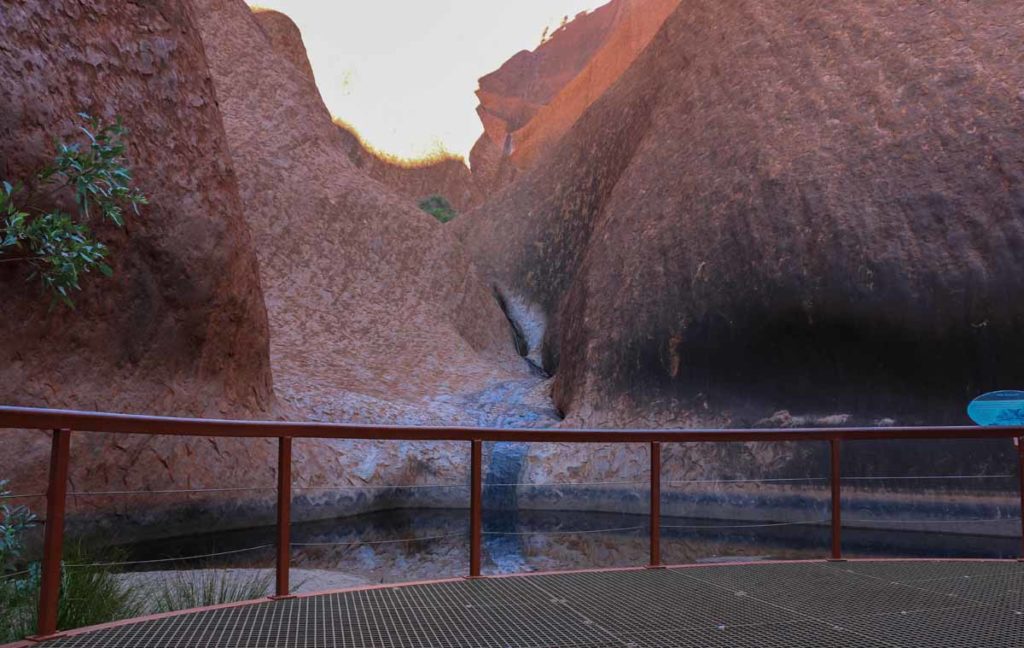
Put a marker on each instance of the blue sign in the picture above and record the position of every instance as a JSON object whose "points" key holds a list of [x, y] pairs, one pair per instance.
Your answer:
{"points": [[998, 408]]}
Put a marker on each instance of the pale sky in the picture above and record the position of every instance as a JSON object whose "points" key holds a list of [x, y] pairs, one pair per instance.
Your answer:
{"points": [[403, 72]]}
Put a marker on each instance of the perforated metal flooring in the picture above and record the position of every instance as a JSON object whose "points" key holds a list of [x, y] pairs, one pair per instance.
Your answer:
{"points": [[910, 604]]}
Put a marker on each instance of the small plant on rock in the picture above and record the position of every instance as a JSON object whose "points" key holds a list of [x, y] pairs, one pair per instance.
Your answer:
{"points": [[439, 208], [60, 246]]}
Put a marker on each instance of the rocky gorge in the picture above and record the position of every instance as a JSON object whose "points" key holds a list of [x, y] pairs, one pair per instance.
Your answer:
{"points": [[681, 213]]}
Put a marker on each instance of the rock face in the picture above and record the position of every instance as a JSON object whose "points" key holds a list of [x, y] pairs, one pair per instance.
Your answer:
{"points": [[800, 205], [416, 180], [376, 313], [285, 38], [535, 97], [511, 95], [778, 205], [181, 327], [370, 300]]}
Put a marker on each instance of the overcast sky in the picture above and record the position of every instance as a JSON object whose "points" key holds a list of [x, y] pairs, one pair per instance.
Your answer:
{"points": [[403, 72]]}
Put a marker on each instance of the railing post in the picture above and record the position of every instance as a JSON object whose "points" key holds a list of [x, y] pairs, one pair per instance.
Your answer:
{"points": [[475, 508], [284, 514], [53, 539], [655, 520], [836, 479], [1019, 442]]}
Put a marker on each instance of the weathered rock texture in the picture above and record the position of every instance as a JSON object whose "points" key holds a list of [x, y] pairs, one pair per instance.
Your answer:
{"points": [[285, 38], [181, 327], [534, 98], [805, 204], [416, 179], [376, 313], [370, 300]]}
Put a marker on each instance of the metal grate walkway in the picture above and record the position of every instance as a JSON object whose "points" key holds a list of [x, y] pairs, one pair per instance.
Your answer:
{"points": [[816, 604]]}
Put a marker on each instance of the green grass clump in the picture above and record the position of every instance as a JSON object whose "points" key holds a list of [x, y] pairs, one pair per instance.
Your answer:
{"points": [[200, 588], [439, 208], [89, 594]]}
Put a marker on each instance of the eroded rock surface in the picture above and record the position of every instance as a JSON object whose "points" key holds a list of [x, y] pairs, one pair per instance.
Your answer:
{"points": [[367, 295], [376, 313], [285, 38], [418, 179], [810, 203], [536, 96], [801, 206], [181, 327], [783, 207]]}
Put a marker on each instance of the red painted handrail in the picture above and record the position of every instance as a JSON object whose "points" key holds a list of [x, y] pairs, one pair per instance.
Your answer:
{"points": [[62, 422], [45, 419]]}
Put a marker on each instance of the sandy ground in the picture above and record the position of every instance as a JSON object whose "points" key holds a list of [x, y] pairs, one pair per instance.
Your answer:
{"points": [[303, 581]]}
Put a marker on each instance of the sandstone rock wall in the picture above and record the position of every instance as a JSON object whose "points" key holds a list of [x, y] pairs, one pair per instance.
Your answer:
{"points": [[634, 24], [534, 98], [368, 297], [285, 38], [180, 328], [511, 95], [793, 198], [376, 313], [802, 206], [417, 179]]}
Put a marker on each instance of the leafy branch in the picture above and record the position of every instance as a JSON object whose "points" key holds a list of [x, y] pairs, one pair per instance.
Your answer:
{"points": [[14, 521], [59, 246]]}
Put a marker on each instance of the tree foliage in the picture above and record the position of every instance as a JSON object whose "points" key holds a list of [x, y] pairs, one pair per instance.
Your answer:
{"points": [[60, 246]]}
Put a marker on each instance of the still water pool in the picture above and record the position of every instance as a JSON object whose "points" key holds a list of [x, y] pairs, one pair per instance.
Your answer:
{"points": [[415, 544]]}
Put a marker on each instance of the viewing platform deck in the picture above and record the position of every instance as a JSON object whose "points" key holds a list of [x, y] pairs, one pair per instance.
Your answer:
{"points": [[916, 604]]}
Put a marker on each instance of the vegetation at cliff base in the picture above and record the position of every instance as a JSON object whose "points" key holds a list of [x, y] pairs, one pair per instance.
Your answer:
{"points": [[91, 589], [59, 245], [439, 208]]}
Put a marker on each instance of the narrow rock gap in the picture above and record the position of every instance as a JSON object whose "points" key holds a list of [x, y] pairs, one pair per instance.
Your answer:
{"points": [[519, 339]]}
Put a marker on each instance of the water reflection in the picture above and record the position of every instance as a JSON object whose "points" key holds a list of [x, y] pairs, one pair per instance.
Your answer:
{"points": [[406, 545]]}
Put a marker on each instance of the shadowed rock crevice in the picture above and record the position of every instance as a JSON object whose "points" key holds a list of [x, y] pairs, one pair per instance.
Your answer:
{"points": [[526, 326], [869, 368]]}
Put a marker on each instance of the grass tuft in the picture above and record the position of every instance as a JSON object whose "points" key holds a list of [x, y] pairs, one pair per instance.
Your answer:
{"points": [[204, 587], [89, 595]]}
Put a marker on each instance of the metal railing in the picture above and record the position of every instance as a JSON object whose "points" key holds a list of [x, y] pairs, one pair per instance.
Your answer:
{"points": [[62, 422]]}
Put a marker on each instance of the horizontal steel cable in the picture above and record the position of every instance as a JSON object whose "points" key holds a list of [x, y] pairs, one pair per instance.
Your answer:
{"points": [[510, 484], [806, 479], [376, 542], [592, 483], [15, 575], [166, 560], [578, 532], [741, 526], [888, 521]]}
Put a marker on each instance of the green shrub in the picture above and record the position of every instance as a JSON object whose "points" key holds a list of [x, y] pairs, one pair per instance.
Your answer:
{"points": [[14, 521], [59, 246], [439, 208]]}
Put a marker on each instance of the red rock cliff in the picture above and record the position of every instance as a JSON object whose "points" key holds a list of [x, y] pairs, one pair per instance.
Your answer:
{"points": [[535, 97], [416, 179], [181, 327], [367, 295], [800, 205]]}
